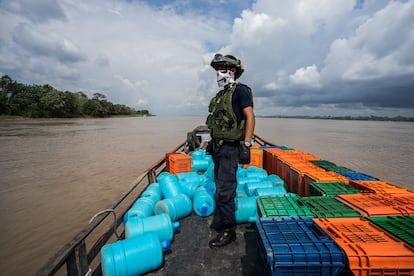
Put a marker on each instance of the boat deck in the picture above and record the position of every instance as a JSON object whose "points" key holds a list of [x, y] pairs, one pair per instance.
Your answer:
{"points": [[190, 254]]}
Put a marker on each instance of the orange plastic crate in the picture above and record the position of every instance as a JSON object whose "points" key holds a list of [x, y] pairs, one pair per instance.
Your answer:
{"points": [[279, 166], [269, 161], [256, 158], [284, 155], [380, 204], [279, 161], [370, 250], [377, 187], [288, 172], [178, 163], [297, 173], [274, 151], [270, 156], [285, 170], [283, 158], [318, 176], [309, 156], [296, 177], [289, 176]]}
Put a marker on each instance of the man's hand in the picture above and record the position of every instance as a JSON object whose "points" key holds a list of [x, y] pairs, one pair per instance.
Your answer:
{"points": [[244, 154]]}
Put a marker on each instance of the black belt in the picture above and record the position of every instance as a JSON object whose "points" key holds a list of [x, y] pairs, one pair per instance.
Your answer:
{"points": [[224, 142]]}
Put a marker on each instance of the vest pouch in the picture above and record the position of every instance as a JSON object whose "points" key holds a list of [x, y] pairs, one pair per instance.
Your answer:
{"points": [[222, 120], [210, 121]]}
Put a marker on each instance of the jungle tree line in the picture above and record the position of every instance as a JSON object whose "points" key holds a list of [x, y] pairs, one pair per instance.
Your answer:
{"points": [[44, 101]]}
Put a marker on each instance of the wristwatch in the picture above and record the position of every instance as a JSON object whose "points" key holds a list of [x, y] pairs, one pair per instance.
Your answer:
{"points": [[247, 143]]}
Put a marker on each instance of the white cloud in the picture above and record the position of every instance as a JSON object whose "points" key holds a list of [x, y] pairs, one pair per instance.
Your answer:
{"points": [[46, 44], [307, 76], [251, 28], [299, 55], [349, 46], [127, 51], [38, 11], [379, 47], [271, 86]]}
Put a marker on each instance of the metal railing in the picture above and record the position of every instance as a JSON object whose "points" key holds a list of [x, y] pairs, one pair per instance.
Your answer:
{"points": [[75, 255], [262, 141], [80, 259]]}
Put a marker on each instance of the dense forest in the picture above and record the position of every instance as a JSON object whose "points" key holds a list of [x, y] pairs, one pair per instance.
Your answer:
{"points": [[44, 101]]}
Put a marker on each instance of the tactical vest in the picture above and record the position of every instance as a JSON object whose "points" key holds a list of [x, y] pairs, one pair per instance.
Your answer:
{"points": [[222, 120]]}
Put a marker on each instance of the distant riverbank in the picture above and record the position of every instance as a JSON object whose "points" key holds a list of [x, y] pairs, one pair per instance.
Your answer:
{"points": [[359, 118], [17, 118]]}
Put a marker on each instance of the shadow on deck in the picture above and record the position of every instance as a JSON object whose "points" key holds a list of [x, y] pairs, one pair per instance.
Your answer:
{"points": [[190, 254]]}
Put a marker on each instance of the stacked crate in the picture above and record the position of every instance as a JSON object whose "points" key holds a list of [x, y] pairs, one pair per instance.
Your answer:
{"points": [[400, 226], [371, 220], [290, 165], [329, 166], [332, 189], [381, 187], [370, 250], [320, 176], [256, 157], [297, 176], [329, 207], [297, 246], [269, 157], [380, 204], [283, 206]]}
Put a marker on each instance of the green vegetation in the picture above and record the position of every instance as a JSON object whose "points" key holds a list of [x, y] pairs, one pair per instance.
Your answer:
{"points": [[362, 118], [44, 101]]}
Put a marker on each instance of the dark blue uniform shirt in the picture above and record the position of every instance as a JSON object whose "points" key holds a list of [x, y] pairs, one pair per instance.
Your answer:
{"points": [[242, 98]]}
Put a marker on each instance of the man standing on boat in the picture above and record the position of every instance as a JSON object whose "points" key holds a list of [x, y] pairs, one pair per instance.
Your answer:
{"points": [[231, 122]]}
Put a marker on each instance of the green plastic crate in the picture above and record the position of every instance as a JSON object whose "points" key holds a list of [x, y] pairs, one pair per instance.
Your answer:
{"points": [[400, 226], [331, 189], [338, 169], [329, 207], [322, 163], [283, 206], [329, 166]]}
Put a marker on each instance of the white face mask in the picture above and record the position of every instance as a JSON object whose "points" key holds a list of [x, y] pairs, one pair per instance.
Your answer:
{"points": [[224, 78]]}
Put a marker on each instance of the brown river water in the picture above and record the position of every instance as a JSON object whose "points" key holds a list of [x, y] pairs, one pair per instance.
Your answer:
{"points": [[55, 174]]}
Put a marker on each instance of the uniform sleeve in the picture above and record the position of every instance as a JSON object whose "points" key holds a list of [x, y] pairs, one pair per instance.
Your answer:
{"points": [[245, 96]]}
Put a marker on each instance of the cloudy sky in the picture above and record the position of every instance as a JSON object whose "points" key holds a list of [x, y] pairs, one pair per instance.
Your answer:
{"points": [[301, 57]]}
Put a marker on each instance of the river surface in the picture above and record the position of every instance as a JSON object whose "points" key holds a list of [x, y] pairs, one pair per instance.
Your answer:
{"points": [[55, 174]]}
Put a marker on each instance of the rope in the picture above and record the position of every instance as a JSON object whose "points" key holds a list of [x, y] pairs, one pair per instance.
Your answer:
{"points": [[103, 212]]}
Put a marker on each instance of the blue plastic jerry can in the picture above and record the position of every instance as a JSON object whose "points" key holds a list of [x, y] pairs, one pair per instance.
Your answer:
{"points": [[133, 256], [176, 207], [246, 209], [153, 191], [203, 202], [143, 207], [160, 224], [169, 185]]}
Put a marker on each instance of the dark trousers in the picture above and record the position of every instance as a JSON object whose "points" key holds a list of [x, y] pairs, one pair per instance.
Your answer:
{"points": [[226, 158]]}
